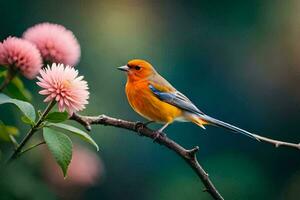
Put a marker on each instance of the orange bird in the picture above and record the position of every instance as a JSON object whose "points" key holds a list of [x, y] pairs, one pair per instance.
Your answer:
{"points": [[154, 98]]}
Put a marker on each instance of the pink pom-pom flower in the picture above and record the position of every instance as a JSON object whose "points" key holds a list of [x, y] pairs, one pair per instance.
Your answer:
{"points": [[20, 55], [56, 43], [63, 85]]}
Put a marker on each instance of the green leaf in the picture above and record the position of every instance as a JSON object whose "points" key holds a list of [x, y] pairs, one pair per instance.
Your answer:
{"points": [[83, 135], [56, 117], [6, 130], [60, 145], [11, 130], [3, 74], [26, 120], [17, 88], [17, 82], [25, 107]]}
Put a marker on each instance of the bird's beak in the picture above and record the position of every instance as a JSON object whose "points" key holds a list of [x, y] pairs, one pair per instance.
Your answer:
{"points": [[124, 68]]}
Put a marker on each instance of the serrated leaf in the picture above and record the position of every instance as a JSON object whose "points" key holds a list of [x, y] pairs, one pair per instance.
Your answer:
{"points": [[56, 117], [25, 107], [83, 135], [60, 146]]}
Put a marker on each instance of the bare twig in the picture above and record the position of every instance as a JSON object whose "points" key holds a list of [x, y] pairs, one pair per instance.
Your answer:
{"points": [[277, 143], [189, 155]]}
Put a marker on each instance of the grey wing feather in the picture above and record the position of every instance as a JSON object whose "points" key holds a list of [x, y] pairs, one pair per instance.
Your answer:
{"points": [[181, 101], [177, 99]]}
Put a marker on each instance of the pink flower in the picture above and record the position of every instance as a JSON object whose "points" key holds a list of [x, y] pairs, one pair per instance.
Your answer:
{"points": [[63, 85], [21, 55], [56, 43]]}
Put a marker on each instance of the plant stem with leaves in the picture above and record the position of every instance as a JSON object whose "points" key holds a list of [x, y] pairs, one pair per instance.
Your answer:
{"points": [[34, 128]]}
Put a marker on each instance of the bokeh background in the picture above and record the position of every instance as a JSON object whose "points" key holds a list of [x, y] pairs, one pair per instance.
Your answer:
{"points": [[238, 61]]}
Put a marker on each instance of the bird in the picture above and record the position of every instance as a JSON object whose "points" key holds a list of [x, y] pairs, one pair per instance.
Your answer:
{"points": [[155, 99]]}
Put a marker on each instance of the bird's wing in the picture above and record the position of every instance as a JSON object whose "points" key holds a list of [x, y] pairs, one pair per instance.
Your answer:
{"points": [[173, 97], [167, 93], [160, 83]]}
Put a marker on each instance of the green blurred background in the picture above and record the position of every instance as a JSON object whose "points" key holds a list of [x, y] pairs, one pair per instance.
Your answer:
{"points": [[239, 61]]}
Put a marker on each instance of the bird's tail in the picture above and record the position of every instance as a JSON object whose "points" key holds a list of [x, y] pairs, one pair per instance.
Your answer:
{"points": [[202, 120]]}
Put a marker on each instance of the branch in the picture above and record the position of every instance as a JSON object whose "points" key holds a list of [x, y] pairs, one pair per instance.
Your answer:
{"points": [[189, 155], [277, 143]]}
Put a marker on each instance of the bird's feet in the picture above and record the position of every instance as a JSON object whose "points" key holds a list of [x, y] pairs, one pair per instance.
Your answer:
{"points": [[138, 126], [158, 134], [148, 122]]}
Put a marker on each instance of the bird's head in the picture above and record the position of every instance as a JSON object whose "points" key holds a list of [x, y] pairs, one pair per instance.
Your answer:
{"points": [[138, 69]]}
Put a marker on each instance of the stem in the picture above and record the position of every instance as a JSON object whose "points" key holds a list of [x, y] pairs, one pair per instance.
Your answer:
{"points": [[11, 73], [32, 147], [31, 132]]}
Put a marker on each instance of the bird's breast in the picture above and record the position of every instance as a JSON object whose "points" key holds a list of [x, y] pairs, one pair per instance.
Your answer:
{"points": [[144, 102]]}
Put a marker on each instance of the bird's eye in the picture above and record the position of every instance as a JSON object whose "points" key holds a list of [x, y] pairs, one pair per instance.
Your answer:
{"points": [[137, 68]]}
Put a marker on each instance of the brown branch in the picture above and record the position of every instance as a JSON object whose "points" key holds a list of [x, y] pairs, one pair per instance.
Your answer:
{"points": [[189, 155], [277, 143]]}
